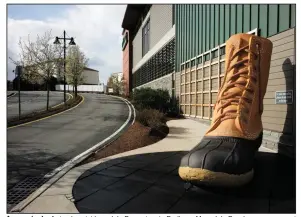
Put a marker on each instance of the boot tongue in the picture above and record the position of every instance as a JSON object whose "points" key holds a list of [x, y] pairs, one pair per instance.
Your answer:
{"points": [[237, 42]]}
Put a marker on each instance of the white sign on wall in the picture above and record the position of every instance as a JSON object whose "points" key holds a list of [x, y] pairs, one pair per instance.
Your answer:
{"points": [[110, 90]]}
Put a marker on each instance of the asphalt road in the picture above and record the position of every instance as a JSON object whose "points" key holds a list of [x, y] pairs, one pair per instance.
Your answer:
{"points": [[32, 101], [36, 149]]}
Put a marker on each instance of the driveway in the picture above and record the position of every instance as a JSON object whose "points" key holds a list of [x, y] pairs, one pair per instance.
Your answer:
{"points": [[36, 149]]}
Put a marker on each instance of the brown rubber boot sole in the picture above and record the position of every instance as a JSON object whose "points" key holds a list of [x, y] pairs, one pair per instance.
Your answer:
{"points": [[210, 178]]}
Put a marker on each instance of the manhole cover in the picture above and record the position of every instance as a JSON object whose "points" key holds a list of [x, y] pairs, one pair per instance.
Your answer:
{"points": [[23, 189]]}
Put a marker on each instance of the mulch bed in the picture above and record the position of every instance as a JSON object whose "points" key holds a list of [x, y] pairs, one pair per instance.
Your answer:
{"points": [[136, 136], [42, 114]]}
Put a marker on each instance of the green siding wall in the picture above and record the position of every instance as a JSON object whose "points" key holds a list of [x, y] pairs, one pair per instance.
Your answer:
{"points": [[221, 24], [216, 25], [246, 18], [263, 21], [204, 26]]}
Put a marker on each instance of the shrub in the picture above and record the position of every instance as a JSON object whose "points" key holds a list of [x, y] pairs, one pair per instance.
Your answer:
{"points": [[174, 109], [151, 118], [148, 98]]}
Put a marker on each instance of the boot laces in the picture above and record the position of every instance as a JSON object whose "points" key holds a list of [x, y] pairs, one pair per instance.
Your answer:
{"points": [[228, 98]]}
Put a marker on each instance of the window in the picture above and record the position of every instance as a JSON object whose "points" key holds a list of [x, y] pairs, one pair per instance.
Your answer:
{"points": [[145, 38]]}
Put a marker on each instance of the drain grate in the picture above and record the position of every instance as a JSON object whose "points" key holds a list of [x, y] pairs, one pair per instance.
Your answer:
{"points": [[23, 189]]}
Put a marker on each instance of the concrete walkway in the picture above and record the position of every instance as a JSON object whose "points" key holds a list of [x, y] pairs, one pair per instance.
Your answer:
{"points": [[145, 180]]}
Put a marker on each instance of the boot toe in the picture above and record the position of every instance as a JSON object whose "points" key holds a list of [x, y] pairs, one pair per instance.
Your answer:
{"points": [[219, 158]]}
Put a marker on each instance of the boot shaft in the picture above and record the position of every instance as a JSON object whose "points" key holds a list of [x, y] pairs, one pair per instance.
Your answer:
{"points": [[239, 104]]}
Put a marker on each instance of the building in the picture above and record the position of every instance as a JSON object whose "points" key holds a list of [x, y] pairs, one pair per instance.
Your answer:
{"points": [[127, 63], [151, 53], [91, 76], [90, 83], [192, 67]]}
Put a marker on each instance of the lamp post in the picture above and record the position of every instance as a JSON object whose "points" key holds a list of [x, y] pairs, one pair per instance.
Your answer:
{"points": [[57, 41], [18, 70]]}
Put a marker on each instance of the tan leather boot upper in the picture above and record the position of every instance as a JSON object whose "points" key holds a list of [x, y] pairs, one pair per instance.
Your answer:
{"points": [[239, 105]]}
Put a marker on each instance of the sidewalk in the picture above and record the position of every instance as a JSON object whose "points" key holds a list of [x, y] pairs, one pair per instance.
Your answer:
{"points": [[145, 180]]}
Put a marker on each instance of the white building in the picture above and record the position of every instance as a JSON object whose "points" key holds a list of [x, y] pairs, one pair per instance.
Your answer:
{"points": [[91, 76], [91, 82]]}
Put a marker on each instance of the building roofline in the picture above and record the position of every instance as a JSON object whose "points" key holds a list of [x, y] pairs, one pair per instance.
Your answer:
{"points": [[89, 69], [132, 15]]}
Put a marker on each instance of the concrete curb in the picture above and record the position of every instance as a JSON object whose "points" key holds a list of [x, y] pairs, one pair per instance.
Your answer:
{"points": [[71, 176], [70, 97], [62, 170]]}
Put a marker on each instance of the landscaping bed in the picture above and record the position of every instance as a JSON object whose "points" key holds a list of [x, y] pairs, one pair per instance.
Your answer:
{"points": [[153, 110], [136, 136], [42, 114]]}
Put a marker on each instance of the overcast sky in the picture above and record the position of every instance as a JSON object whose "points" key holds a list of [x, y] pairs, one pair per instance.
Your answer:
{"points": [[96, 29]]}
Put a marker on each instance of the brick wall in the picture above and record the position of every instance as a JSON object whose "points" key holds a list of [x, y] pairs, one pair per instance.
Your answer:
{"points": [[126, 67]]}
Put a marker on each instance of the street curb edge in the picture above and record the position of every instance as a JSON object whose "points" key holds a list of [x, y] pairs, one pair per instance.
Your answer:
{"points": [[62, 170]]}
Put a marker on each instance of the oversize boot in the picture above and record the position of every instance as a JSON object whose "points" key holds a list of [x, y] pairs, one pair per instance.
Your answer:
{"points": [[225, 156]]}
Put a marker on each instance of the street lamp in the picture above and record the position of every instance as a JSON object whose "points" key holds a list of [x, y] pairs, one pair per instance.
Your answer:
{"points": [[57, 41]]}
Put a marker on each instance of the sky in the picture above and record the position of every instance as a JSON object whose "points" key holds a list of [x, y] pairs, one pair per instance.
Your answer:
{"points": [[95, 28]]}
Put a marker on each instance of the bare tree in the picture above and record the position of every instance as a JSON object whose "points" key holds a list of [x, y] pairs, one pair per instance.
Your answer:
{"points": [[39, 59], [75, 65]]}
